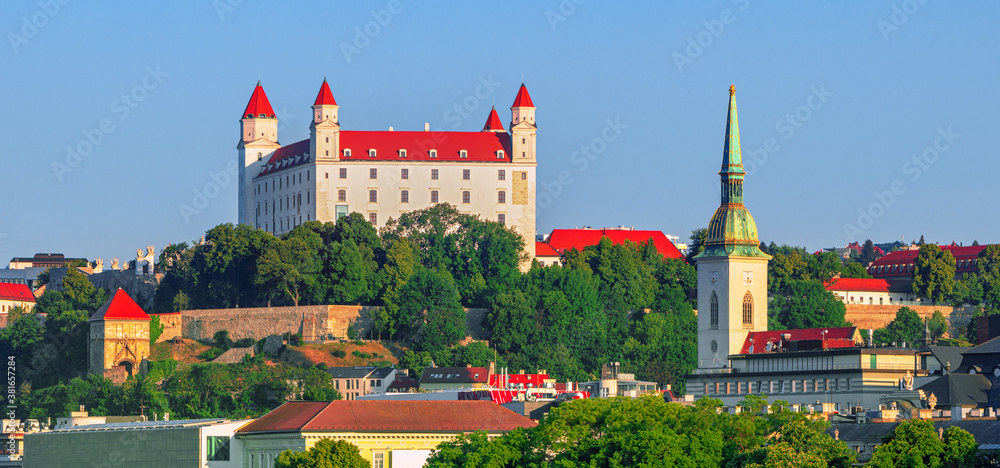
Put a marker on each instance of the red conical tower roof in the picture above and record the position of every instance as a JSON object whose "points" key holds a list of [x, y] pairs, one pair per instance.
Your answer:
{"points": [[523, 99], [325, 97], [258, 105], [493, 122], [120, 307]]}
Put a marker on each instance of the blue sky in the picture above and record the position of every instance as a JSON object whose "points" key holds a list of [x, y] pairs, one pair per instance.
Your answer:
{"points": [[836, 99]]}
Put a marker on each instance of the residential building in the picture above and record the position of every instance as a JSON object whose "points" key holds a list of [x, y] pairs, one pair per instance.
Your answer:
{"points": [[864, 438], [25, 276], [43, 260], [193, 443], [450, 378], [389, 433], [15, 295], [871, 291], [615, 383], [899, 264], [383, 174], [353, 382]]}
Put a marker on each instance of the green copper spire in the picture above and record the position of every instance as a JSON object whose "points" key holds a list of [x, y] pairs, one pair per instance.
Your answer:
{"points": [[732, 231]]}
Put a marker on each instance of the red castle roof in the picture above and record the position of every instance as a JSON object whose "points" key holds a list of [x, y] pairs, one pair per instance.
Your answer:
{"points": [[388, 416], [839, 337], [16, 292], [119, 307], [858, 284], [493, 122], [900, 262], [258, 106], [545, 250], [565, 239], [325, 97], [522, 99]]}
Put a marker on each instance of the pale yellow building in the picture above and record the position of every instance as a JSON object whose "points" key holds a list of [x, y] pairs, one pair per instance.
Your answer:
{"points": [[389, 434], [119, 337]]}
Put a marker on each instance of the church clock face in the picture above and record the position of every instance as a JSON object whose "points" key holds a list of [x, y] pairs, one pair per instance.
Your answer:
{"points": [[713, 277], [747, 278]]}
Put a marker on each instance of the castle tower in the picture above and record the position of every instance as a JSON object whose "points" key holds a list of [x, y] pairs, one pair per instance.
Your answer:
{"points": [[258, 141], [119, 337], [325, 126], [522, 127], [493, 122], [732, 271]]}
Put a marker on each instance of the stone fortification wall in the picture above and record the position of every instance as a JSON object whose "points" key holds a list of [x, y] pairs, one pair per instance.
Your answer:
{"points": [[878, 316], [314, 322]]}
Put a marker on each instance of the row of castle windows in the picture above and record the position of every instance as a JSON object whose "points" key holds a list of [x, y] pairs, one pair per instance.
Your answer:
{"points": [[290, 202], [770, 387], [404, 196], [289, 181], [747, 311], [433, 153]]}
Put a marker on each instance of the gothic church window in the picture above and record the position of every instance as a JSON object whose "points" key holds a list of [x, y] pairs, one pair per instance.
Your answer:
{"points": [[747, 310], [714, 315]]}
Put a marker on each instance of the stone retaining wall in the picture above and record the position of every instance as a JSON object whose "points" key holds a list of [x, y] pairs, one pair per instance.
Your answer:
{"points": [[878, 316]]}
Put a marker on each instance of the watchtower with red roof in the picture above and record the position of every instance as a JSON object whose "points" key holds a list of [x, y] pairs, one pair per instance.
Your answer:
{"points": [[258, 142], [119, 337]]}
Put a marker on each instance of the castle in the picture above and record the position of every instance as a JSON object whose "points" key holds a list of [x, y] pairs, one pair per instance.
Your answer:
{"points": [[383, 174]]}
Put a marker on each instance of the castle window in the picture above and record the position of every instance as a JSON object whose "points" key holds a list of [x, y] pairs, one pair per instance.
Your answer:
{"points": [[501, 175], [307, 176], [372, 218], [404, 173], [714, 315], [347, 152], [373, 173], [747, 310], [501, 197], [524, 176], [342, 195], [434, 174], [402, 153], [343, 173], [465, 174], [404, 196], [433, 153], [463, 154], [373, 196], [466, 196], [434, 196], [502, 218], [500, 154], [371, 153], [523, 140], [327, 139], [326, 175]]}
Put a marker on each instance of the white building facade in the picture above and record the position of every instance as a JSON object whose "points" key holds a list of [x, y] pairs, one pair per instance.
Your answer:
{"points": [[383, 174]]}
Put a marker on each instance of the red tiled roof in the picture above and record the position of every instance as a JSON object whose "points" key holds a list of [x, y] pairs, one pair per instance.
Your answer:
{"points": [[479, 146], [839, 337], [565, 239], [522, 99], [858, 284], [388, 416], [545, 250], [325, 97], [900, 262], [258, 105], [16, 292], [287, 156], [455, 375], [493, 122], [120, 307]]}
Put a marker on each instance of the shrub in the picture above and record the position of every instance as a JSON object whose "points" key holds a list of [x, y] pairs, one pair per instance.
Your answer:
{"points": [[322, 366], [339, 353], [210, 354], [295, 340], [361, 355]]}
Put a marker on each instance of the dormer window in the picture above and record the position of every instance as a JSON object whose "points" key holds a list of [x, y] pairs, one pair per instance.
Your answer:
{"points": [[433, 153], [463, 154], [500, 154], [371, 153], [347, 152], [262, 116], [402, 153]]}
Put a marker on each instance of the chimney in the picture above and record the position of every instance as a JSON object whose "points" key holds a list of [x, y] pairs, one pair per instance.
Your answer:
{"points": [[427, 126], [390, 129]]}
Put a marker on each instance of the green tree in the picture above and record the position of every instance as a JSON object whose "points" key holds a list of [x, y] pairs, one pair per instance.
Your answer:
{"points": [[325, 454], [431, 309], [222, 271], [934, 273], [627, 282], [988, 272], [783, 269], [805, 304], [401, 260], [868, 253], [937, 325], [697, 244], [906, 327], [915, 443]]}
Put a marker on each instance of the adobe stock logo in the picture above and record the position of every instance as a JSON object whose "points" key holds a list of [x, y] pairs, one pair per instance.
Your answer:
{"points": [[40, 19], [363, 37]]}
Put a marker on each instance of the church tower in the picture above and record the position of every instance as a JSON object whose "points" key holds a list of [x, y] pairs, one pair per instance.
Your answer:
{"points": [[258, 141], [325, 127], [732, 270]]}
